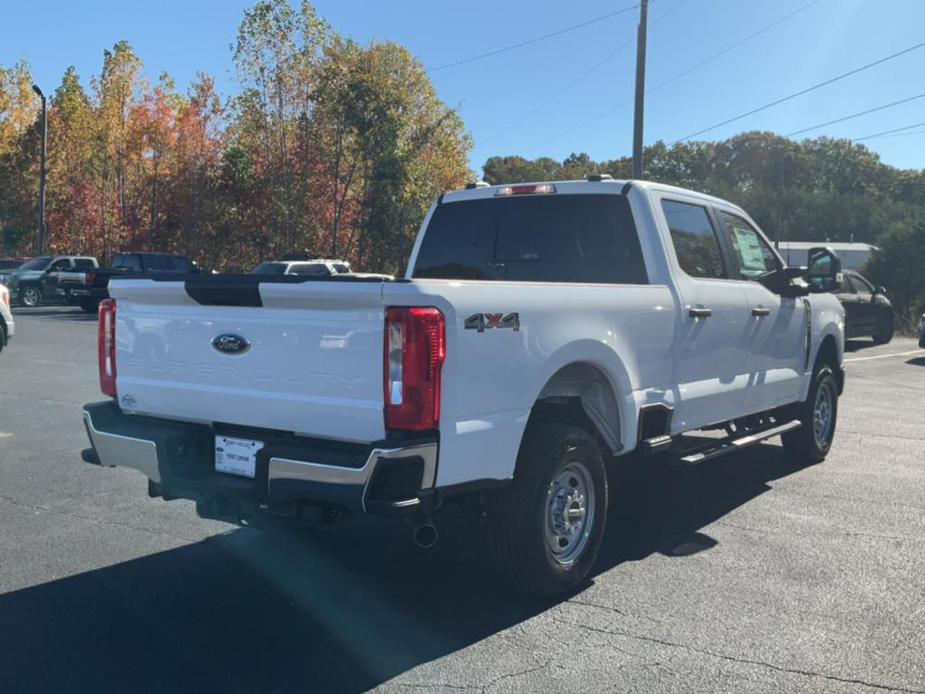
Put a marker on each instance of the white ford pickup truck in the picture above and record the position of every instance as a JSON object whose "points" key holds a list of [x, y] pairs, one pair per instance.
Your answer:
{"points": [[541, 333]]}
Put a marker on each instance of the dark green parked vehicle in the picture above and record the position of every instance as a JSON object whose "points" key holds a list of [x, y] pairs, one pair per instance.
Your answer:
{"points": [[36, 281]]}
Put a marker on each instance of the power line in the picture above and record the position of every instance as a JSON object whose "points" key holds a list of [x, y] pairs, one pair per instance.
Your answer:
{"points": [[889, 132], [857, 115], [913, 132], [668, 12], [582, 77], [733, 46], [562, 91], [536, 39], [802, 92], [686, 71]]}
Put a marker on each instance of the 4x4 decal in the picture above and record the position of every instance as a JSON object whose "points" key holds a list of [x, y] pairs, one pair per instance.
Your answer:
{"points": [[489, 321]]}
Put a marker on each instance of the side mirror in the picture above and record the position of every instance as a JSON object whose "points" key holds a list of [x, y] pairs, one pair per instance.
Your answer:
{"points": [[880, 290], [823, 271], [787, 281]]}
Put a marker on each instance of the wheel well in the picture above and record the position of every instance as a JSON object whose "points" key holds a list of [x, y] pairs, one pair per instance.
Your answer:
{"points": [[828, 354], [582, 395]]}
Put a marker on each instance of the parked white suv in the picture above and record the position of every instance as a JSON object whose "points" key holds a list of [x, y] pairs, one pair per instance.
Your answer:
{"points": [[7, 326], [542, 332]]}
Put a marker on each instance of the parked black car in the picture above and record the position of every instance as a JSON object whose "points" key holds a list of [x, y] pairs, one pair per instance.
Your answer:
{"points": [[868, 311], [87, 289]]}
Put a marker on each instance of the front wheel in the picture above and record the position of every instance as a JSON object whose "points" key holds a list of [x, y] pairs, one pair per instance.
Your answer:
{"points": [[818, 415], [31, 297], [546, 529]]}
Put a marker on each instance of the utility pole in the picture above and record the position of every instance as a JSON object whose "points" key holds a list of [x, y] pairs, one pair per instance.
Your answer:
{"points": [[40, 239], [640, 89], [780, 194]]}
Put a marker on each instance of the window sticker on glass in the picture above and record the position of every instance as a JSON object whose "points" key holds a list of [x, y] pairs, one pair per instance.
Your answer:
{"points": [[749, 250]]}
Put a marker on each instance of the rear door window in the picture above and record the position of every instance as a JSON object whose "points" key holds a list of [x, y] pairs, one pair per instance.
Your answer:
{"points": [[557, 238], [127, 261], [860, 287], [694, 239], [181, 264], [160, 263], [310, 269], [270, 269]]}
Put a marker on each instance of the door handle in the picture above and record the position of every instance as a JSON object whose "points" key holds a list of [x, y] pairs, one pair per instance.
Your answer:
{"points": [[694, 312], [761, 311]]}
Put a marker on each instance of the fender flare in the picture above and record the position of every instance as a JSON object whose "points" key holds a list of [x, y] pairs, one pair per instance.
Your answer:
{"points": [[607, 361]]}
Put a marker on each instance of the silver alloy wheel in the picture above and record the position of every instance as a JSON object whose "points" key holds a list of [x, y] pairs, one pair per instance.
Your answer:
{"points": [[31, 297], [824, 413], [569, 512]]}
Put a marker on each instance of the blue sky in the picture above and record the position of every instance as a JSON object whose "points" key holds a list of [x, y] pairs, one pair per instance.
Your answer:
{"points": [[497, 95]]}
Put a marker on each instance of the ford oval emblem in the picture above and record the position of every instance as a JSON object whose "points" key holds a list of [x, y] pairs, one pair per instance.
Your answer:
{"points": [[228, 343]]}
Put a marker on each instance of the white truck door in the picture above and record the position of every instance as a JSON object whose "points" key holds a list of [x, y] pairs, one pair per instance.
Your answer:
{"points": [[711, 356], [777, 331]]}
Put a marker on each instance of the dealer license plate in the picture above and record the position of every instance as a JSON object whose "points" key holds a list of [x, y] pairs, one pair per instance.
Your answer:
{"points": [[236, 456]]}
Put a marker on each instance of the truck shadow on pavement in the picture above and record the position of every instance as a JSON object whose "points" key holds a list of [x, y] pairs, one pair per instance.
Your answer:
{"points": [[342, 609]]}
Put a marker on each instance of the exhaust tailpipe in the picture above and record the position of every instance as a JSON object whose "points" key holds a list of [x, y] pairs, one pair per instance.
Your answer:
{"points": [[425, 535]]}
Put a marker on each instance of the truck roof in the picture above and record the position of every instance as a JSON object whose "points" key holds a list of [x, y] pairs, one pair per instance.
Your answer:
{"points": [[614, 186]]}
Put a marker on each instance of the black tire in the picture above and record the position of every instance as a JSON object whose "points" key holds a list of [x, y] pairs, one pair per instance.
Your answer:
{"points": [[555, 463], [807, 444], [30, 296], [2, 335], [91, 306], [884, 332]]}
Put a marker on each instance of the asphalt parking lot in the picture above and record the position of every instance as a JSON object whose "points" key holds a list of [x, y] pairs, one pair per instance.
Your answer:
{"points": [[743, 574]]}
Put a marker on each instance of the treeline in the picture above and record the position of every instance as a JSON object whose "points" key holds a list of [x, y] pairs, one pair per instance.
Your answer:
{"points": [[813, 190], [331, 147], [336, 149]]}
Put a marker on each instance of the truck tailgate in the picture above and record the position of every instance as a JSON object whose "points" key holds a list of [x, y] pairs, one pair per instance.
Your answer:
{"points": [[313, 365]]}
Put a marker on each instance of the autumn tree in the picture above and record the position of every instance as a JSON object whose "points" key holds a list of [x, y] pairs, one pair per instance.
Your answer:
{"points": [[18, 161]]}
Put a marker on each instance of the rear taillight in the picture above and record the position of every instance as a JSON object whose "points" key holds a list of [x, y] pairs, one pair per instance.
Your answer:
{"points": [[107, 346], [415, 348]]}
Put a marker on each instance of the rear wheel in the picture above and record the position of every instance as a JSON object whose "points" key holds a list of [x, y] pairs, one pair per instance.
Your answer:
{"points": [[884, 332], [31, 297], [818, 415], [546, 529]]}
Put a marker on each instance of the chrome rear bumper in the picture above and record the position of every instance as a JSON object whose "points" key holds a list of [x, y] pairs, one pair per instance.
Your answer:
{"points": [[178, 458]]}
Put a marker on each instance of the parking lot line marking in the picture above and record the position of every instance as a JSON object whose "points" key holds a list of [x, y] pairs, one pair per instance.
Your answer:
{"points": [[884, 356]]}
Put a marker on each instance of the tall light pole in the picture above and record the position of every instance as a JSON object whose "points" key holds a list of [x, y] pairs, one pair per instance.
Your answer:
{"points": [[40, 238], [639, 113]]}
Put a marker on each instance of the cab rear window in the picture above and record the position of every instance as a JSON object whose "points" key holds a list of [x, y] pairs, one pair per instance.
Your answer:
{"points": [[558, 238]]}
